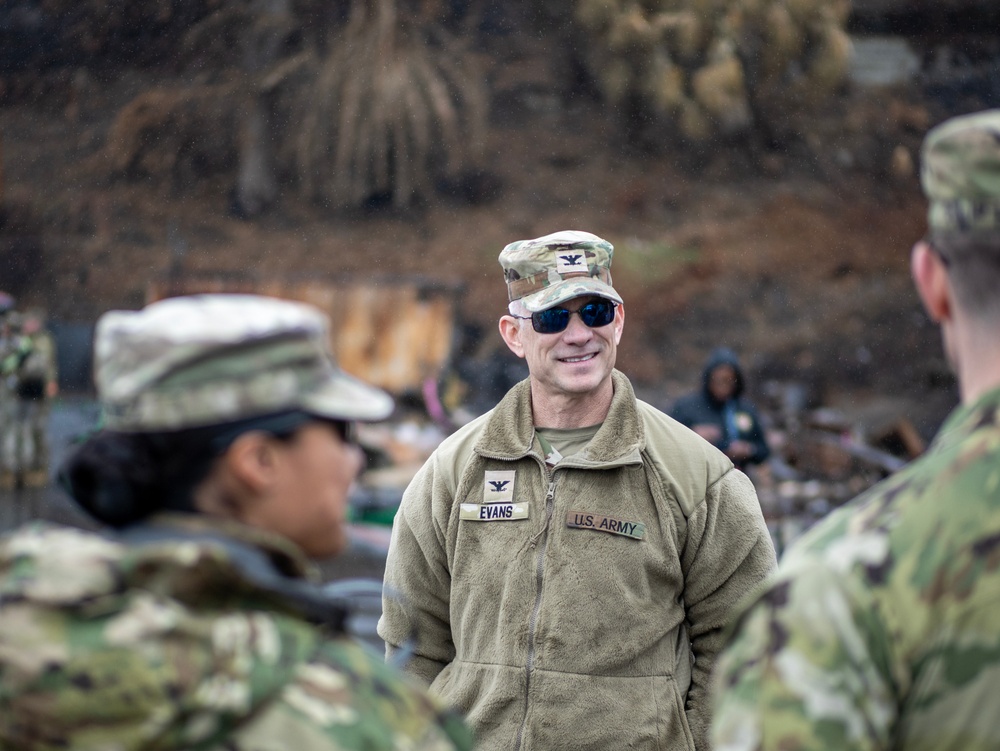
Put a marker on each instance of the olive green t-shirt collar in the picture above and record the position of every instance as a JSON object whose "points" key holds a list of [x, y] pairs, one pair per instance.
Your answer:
{"points": [[560, 443]]}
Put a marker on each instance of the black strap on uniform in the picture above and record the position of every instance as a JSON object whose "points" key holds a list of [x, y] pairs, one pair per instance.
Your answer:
{"points": [[256, 567]]}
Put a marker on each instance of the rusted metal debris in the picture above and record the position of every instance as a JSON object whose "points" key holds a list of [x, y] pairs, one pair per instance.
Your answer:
{"points": [[821, 460], [394, 332]]}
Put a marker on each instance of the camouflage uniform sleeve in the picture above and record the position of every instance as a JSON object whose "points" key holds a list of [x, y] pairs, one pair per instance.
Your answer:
{"points": [[808, 667], [346, 698]]}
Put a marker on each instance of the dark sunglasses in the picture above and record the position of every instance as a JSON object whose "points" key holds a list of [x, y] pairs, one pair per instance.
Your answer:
{"points": [[553, 320], [347, 431]]}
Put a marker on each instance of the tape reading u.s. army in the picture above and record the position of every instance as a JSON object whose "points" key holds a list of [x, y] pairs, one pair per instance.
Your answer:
{"points": [[598, 523], [493, 512]]}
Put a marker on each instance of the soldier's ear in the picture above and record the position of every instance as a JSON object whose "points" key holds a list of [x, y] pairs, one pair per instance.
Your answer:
{"points": [[930, 275], [510, 330], [249, 468], [224, 492], [243, 475]]}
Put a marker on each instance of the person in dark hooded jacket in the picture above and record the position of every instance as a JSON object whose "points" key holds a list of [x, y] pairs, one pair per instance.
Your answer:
{"points": [[719, 413]]}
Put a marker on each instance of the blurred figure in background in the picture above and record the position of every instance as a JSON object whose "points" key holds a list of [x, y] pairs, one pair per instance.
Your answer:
{"points": [[191, 621], [719, 413], [7, 316], [880, 629], [31, 368]]}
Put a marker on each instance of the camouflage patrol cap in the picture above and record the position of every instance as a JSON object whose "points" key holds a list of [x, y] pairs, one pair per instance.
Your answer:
{"points": [[960, 173], [206, 359], [552, 269]]}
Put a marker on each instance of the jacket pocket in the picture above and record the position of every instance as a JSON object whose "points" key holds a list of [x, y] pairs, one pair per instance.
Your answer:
{"points": [[597, 713], [490, 697]]}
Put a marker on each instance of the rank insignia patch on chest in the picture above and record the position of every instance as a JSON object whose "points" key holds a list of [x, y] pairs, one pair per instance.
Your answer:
{"points": [[499, 487], [498, 501], [599, 523]]}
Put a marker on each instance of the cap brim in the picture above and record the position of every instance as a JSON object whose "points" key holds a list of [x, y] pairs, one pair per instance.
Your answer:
{"points": [[343, 397], [567, 290]]}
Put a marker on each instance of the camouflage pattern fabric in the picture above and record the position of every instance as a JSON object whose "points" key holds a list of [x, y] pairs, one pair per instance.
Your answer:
{"points": [[552, 269], [960, 173], [169, 645], [880, 629]]}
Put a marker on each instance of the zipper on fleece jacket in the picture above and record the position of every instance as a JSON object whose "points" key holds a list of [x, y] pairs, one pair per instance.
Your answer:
{"points": [[543, 536]]}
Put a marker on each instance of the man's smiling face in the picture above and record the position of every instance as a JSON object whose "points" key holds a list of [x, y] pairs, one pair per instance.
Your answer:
{"points": [[573, 362]]}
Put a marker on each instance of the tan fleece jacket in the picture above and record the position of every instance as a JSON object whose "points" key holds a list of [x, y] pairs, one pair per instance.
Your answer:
{"points": [[563, 609]]}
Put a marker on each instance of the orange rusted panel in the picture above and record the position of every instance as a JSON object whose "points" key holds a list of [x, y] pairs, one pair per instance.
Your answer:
{"points": [[394, 333]]}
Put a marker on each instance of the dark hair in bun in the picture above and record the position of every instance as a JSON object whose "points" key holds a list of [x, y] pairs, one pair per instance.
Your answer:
{"points": [[121, 478]]}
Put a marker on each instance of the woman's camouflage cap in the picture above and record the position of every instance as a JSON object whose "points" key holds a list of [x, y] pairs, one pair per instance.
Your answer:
{"points": [[960, 173], [206, 359], [552, 269]]}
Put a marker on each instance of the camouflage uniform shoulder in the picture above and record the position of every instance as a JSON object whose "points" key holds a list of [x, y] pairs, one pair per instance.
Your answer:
{"points": [[89, 660], [104, 644], [882, 618], [54, 564]]}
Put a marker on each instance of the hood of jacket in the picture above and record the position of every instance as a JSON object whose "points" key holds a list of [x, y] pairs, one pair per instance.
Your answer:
{"points": [[721, 356]]}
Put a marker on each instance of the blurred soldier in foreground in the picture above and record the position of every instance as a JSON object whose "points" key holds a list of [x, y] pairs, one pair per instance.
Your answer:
{"points": [[571, 557], [881, 628], [30, 366], [720, 414], [225, 462]]}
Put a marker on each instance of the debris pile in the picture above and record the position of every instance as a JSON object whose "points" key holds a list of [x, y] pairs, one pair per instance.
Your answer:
{"points": [[821, 460], [395, 451]]}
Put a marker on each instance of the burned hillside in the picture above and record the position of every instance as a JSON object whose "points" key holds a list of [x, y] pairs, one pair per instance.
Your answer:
{"points": [[766, 202]]}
